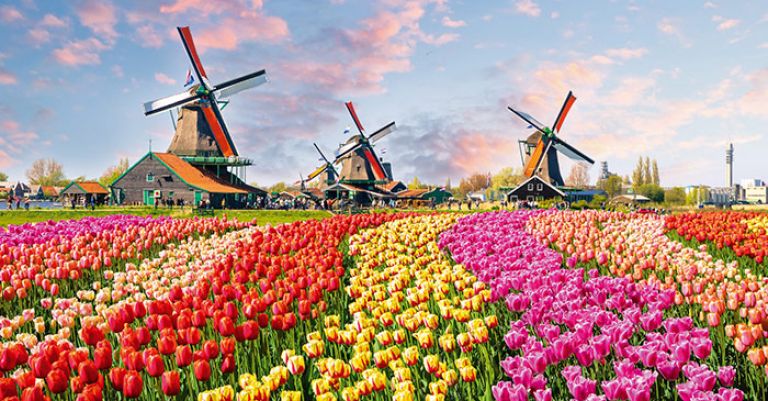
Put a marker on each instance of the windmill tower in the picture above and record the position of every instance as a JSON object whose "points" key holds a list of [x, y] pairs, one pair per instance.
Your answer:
{"points": [[729, 166]]}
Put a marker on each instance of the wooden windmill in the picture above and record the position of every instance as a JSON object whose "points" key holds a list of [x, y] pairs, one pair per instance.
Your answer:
{"points": [[359, 163], [200, 129], [539, 151], [331, 175]]}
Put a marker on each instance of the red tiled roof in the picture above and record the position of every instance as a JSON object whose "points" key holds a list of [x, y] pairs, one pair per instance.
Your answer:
{"points": [[193, 176], [391, 185], [92, 187], [412, 193]]}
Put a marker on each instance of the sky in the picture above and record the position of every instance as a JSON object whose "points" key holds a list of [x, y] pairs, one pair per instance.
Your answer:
{"points": [[672, 80]]}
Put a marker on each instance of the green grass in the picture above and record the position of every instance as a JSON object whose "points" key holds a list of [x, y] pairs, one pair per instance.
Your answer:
{"points": [[263, 217]]}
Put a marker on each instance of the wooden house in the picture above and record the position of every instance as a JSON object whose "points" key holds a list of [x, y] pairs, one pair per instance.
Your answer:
{"points": [[83, 191], [534, 189]]}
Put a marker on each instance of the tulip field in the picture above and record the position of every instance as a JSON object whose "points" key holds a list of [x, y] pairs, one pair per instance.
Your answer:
{"points": [[506, 306]]}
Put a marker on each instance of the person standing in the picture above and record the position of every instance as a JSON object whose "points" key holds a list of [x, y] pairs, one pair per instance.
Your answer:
{"points": [[26, 204]]}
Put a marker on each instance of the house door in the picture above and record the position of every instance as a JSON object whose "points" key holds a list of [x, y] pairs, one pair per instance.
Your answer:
{"points": [[198, 197], [149, 197]]}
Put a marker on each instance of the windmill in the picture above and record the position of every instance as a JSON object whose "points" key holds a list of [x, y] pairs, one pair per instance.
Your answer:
{"points": [[203, 98], [541, 148], [331, 173], [360, 165]]}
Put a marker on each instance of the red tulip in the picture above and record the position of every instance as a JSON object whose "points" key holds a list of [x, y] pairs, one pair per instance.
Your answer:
{"points": [[87, 372], [40, 366], [7, 387], [166, 345], [76, 385], [202, 370], [193, 336], [132, 384], [211, 349], [116, 376], [171, 383], [155, 365], [26, 379], [183, 356], [228, 364], [143, 336], [227, 346], [33, 393], [56, 380], [226, 327], [102, 357], [91, 334]]}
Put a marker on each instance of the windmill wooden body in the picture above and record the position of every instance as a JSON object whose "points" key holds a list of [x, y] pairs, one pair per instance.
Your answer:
{"points": [[539, 150]]}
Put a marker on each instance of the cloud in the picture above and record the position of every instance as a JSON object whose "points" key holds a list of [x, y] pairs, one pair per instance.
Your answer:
{"points": [[14, 137], [148, 37], [626, 53], [164, 79], [710, 4], [6, 160], [52, 21], [10, 14], [7, 77], [725, 24], [671, 27], [527, 7], [38, 36], [238, 23], [706, 141], [80, 52], [117, 71], [100, 17], [450, 23]]}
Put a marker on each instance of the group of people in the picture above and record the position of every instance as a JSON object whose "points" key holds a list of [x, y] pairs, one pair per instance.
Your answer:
{"points": [[18, 200]]}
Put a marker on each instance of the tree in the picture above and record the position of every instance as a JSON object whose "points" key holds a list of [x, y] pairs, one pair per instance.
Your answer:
{"points": [[278, 187], [112, 173], [474, 182], [637, 174], [46, 172], [3, 176], [652, 192], [611, 185], [448, 184], [579, 176], [674, 196], [507, 177], [655, 179], [697, 195], [647, 178], [415, 184]]}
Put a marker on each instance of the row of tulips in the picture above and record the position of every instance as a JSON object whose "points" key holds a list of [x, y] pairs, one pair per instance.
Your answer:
{"points": [[191, 315], [713, 292], [577, 334], [746, 233], [415, 326]]}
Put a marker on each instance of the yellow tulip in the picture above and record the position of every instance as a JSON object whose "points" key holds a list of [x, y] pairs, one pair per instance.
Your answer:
{"points": [[290, 396]]}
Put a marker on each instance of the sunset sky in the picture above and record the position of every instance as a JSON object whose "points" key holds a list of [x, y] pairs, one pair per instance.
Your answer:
{"points": [[674, 80]]}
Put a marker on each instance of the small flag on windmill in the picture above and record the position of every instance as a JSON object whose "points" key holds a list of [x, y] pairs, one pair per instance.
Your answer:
{"points": [[346, 131], [190, 78]]}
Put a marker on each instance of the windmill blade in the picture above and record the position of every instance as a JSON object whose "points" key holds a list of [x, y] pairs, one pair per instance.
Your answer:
{"points": [[352, 112], [197, 65], [220, 133], [571, 152], [347, 149], [535, 159], [170, 102], [529, 119], [321, 153], [378, 169], [569, 100], [381, 133], [248, 81], [317, 172]]}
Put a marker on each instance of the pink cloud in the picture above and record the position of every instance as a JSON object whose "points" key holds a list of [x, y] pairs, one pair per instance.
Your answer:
{"points": [[450, 23], [38, 36], [15, 138], [247, 27], [100, 17], [6, 160], [7, 77], [527, 7], [627, 53], [725, 24], [205, 7], [148, 37], [80, 52], [53, 21], [164, 79], [10, 14]]}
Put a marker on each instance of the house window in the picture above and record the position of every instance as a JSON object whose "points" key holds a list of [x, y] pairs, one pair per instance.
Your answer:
{"points": [[530, 186], [539, 187], [513, 198], [170, 194], [150, 177]]}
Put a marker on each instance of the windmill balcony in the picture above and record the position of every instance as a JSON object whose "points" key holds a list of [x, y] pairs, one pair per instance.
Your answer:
{"points": [[218, 161]]}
